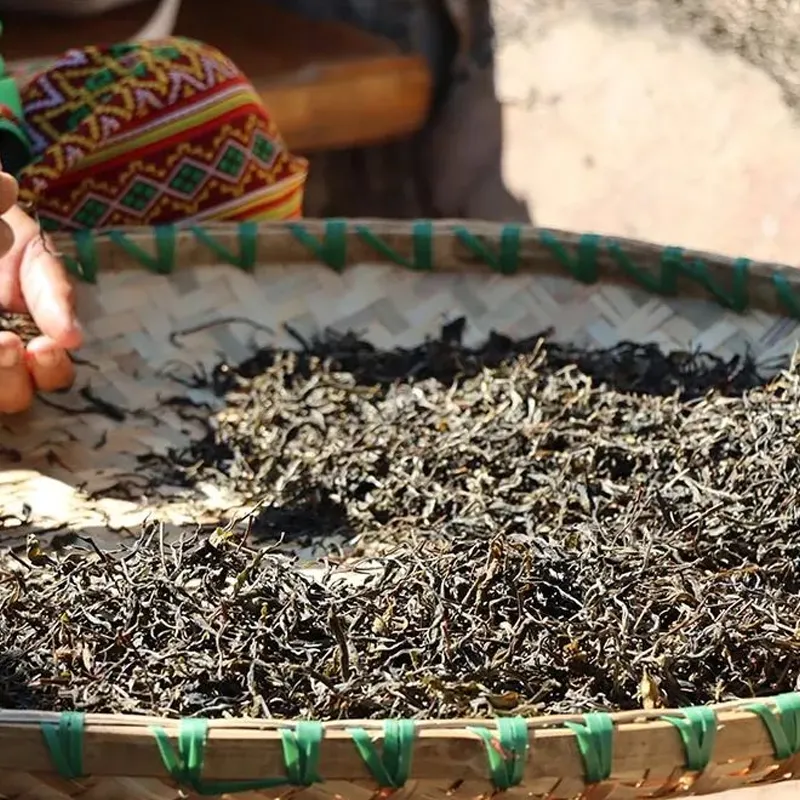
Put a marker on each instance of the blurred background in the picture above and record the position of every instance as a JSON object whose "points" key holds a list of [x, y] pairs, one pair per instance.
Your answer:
{"points": [[669, 120]]}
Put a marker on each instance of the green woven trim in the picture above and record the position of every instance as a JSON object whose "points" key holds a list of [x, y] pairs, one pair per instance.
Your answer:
{"points": [[84, 267], [332, 250], [595, 738], [783, 729], [506, 260], [582, 262], [391, 766], [422, 244], [698, 731], [247, 234], [507, 753], [584, 265], [64, 742], [162, 261], [389, 762], [301, 749]]}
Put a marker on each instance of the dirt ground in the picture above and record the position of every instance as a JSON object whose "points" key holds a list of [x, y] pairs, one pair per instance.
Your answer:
{"points": [[675, 122], [766, 33]]}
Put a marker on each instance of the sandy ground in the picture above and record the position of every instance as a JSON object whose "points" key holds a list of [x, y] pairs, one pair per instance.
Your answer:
{"points": [[661, 121]]}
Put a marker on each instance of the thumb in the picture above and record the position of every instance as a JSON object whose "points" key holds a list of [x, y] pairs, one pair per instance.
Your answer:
{"points": [[46, 290]]}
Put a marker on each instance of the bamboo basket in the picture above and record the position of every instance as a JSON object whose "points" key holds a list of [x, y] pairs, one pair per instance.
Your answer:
{"points": [[153, 297]]}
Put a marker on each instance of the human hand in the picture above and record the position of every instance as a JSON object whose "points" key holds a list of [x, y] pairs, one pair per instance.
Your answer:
{"points": [[32, 281]]}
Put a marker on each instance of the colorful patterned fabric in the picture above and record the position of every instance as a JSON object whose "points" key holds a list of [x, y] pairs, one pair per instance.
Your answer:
{"points": [[162, 132]]}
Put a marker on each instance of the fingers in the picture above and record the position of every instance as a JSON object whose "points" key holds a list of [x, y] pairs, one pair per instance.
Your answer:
{"points": [[49, 365], [9, 191], [44, 367], [6, 237], [8, 199], [16, 384], [44, 284], [39, 284]]}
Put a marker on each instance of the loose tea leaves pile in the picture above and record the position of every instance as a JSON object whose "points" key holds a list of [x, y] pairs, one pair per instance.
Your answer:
{"points": [[559, 528], [443, 438], [21, 324]]}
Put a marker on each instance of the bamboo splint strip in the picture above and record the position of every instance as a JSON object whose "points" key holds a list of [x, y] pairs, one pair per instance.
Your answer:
{"points": [[446, 246], [758, 740]]}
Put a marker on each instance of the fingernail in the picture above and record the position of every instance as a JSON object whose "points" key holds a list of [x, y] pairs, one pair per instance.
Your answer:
{"points": [[75, 330], [47, 357], [62, 322], [9, 357]]}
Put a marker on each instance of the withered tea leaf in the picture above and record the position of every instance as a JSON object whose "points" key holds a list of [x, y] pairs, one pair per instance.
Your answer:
{"points": [[557, 529]]}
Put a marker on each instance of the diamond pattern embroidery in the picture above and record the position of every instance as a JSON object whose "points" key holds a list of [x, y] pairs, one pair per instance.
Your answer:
{"points": [[188, 179], [263, 149], [232, 161], [139, 196], [241, 147], [91, 212]]}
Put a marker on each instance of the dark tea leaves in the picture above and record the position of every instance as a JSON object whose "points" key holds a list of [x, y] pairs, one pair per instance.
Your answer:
{"points": [[555, 530]]}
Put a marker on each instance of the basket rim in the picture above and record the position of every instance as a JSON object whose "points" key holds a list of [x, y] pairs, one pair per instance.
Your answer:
{"points": [[671, 751], [441, 246], [734, 744]]}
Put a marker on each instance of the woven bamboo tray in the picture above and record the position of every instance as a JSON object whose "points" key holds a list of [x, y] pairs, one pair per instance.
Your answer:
{"points": [[154, 298]]}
